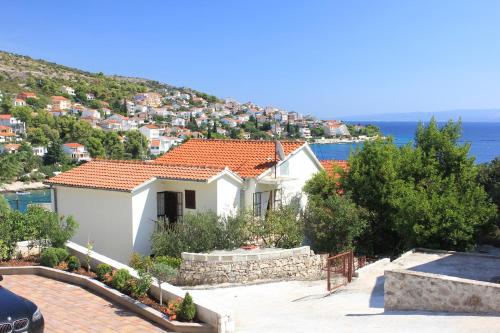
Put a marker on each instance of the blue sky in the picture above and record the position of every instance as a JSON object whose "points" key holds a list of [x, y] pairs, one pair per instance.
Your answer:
{"points": [[327, 58]]}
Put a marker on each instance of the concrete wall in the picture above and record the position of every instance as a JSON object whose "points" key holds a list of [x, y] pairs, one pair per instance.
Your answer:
{"points": [[215, 268], [104, 217], [228, 196], [409, 290]]}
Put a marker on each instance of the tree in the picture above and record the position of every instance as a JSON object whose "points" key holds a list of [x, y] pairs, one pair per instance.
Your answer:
{"points": [[37, 137], [23, 113], [55, 153], [4, 206], [113, 146], [426, 194], [95, 147], [136, 145], [162, 273], [10, 167], [333, 222], [27, 158]]}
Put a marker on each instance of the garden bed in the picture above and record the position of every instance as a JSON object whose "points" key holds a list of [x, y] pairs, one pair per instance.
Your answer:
{"points": [[145, 306]]}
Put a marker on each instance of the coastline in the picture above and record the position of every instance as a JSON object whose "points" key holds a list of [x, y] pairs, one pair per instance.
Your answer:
{"points": [[20, 186], [344, 140]]}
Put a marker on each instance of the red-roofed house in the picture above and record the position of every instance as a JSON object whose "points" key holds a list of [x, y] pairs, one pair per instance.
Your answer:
{"points": [[76, 151], [122, 200], [60, 103], [335, 128], [25, 95]]}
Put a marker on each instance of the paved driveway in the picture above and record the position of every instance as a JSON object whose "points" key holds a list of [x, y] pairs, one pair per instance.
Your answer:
{"points": [[70, 308], [289, 307]]}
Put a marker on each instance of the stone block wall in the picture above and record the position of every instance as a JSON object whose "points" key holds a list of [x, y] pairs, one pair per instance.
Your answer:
{"points": [[409, 290], [291, 264]]}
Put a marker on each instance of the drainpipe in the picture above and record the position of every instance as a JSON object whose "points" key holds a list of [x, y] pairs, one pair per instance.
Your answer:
{"points": [[54, 195]]}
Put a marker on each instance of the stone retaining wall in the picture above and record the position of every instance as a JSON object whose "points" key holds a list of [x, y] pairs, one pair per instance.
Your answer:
{"points": [[409, 290], [216, 268]]}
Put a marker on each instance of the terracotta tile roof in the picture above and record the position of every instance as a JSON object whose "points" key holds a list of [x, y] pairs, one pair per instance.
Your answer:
{"points": [[12, 146], [247, 158], [151, 126], [73, 145], [127, 175], [59, 98], [330, 164], [5, 116]]}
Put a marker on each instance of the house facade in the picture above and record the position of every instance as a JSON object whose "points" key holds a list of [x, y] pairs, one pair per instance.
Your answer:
{"points": [[76, 151], [117, 203]]}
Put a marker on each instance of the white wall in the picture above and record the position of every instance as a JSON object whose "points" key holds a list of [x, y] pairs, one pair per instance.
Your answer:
{"points": [[228, 196], [301, 167], [104, 217]]}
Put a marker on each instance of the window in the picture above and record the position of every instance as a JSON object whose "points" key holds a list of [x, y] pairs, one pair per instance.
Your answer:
{"points": [[190, 197], [277, 199], [257, 204], [284, 170]]}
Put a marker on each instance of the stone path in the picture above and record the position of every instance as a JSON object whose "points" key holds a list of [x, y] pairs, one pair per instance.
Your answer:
{"points": [[70, 308]]}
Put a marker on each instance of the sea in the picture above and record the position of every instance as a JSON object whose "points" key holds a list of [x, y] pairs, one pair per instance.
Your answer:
{"points": [[484, 139]]}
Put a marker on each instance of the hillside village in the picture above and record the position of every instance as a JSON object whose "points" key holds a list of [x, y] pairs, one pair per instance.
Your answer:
{"points": [[92, 115]]}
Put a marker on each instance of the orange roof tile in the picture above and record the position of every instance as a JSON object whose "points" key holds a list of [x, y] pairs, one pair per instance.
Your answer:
{"points": [[330, 164], [127, 175], [5, 116], [73, 145], [247, 158], [59, 98]]}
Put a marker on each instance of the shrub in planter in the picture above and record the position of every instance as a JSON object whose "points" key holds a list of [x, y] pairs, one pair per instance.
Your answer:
{"points": [[49, 257], [121, 279], [187, 309], [73, 263], [102, 270], [170, 261], [139, 287], [62, 254], [140, 262]]}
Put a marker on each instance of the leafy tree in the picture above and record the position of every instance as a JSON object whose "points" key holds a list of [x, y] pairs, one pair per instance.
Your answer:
{"points": [[55, 153], [113, 146], [37, 137], [162, 272], [10, 167], [95, 147], [37, 103], [136, 145], [283, 227], [27, 158], [80, 132], [23, 113], [4, 206], [423, 195]]}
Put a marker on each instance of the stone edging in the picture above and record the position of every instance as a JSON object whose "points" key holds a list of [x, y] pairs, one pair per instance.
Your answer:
{"points": [[245, 256], [112, 294], [471, 254]]}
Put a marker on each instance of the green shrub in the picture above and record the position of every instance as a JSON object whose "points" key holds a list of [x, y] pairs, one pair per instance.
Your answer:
{"points": [[121, 280], [200, 232], [139, 287], [140, 262], [49, 257], [73, 263], [170, 261], [187, 310], [102, 270], [62, 254]]}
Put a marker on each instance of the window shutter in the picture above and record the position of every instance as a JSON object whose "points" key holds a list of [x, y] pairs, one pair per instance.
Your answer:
{"points": [[160, 204]]}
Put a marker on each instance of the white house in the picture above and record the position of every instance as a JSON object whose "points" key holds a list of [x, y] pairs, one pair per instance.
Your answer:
{"points": [[150, 131], [8, 120], [117, 203], [68, 90], [179, 122], [76, 151], [335, 128], [39, 150], [91, 113]]}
